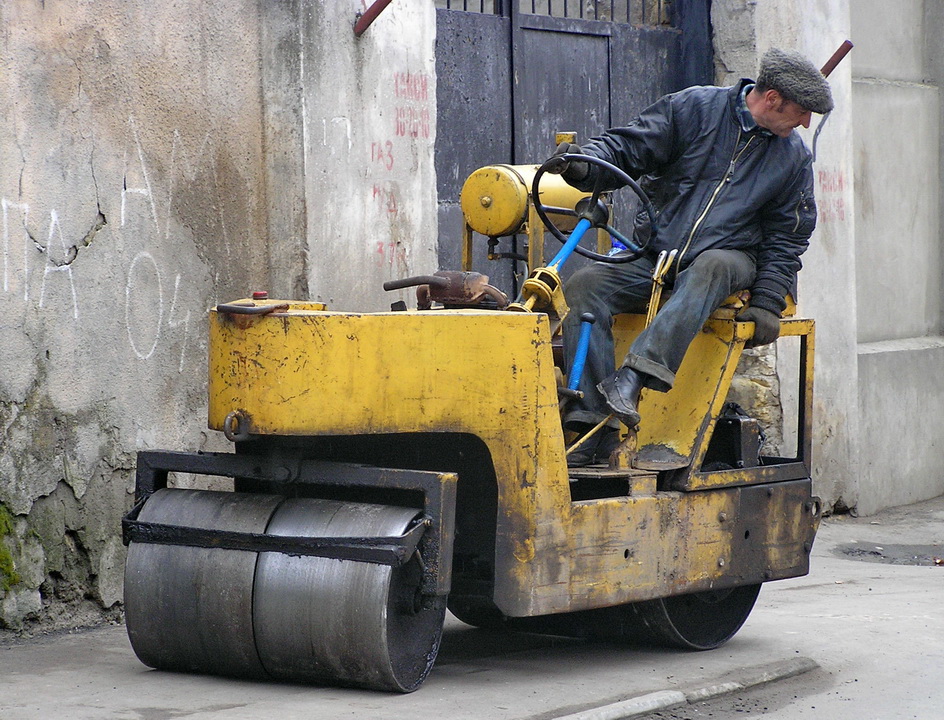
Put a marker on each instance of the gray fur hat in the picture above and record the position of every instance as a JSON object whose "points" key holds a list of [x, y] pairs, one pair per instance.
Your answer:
{"points": [[796, 79]]}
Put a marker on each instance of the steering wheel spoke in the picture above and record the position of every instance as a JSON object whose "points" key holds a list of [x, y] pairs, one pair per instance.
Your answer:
{"points": [[551, 210], [633, 250], [597, 190]]}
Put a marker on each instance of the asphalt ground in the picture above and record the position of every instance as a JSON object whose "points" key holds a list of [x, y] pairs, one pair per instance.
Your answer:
{"points": [[865, 627]]}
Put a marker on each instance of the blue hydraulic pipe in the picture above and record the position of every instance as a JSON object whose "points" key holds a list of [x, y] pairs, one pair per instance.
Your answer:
{"points": [[580, 355], [572, 242]]}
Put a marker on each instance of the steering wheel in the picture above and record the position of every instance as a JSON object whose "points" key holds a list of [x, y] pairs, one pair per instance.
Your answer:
{"points": [[593, 209]]}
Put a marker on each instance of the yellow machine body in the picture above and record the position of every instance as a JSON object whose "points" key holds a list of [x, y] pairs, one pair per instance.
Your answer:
{"points": [[310, 373], [390, 465]]}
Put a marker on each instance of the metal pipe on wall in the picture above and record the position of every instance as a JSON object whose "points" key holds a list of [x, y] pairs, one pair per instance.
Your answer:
{"points": [[365, 19]]}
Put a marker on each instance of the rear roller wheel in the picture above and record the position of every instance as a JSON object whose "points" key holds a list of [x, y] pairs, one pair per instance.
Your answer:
{"points": [[698, 621], [269, 614]]}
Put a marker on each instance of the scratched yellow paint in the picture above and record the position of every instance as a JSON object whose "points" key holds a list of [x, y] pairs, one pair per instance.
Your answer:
{"points": [[676, 420], [312, 372]]}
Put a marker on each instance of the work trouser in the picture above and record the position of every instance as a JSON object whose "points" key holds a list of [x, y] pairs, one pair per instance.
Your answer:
{"points": [[606, 289]]}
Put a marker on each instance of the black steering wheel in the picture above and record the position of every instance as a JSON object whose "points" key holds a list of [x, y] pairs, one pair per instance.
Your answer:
{"points": [[593, 208]]}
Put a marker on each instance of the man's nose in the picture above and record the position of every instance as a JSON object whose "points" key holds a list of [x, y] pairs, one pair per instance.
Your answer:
{"points": [[806, 118]]}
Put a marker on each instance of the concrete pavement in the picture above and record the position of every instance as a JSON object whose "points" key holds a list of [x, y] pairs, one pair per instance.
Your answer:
{"points": [[867, 615]]}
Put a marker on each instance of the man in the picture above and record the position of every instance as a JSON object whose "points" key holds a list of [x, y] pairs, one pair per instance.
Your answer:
{"points": [[732, 185]]}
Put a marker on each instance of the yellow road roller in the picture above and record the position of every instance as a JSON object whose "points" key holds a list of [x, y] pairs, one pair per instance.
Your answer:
{"points": [[387, 466]]}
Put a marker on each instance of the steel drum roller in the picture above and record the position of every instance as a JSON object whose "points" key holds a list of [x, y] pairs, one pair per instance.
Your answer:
{"points": [[189, 608], [270, 614], [325, 620]]}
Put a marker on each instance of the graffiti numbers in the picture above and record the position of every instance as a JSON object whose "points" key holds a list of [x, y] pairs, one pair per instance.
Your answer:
{"points": [[412, 122]]}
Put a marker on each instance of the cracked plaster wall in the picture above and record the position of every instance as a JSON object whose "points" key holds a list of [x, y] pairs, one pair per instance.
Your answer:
{"points": [[131, 198], [155, 159]]}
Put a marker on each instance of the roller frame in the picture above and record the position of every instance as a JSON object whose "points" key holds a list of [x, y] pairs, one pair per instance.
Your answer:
{"points": [[432, 536]]}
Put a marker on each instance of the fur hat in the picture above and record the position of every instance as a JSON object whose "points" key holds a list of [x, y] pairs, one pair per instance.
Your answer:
{"points": [[796, 79]]}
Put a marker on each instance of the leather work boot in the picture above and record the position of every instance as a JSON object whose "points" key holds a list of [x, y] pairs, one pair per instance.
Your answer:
{"points": [[621, 391], [596, 450]]}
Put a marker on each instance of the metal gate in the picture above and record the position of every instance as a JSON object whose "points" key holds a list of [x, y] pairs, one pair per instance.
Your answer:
{"points": [[512, 73]]}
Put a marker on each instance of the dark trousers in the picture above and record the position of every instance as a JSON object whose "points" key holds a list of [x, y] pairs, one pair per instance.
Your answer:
{"points": [[606, 289]]}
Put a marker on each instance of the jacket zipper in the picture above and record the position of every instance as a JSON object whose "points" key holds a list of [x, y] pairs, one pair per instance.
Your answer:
{"points": [[796, 212], [727, 178]]}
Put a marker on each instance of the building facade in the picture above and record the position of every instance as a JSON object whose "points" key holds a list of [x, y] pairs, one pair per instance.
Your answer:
{"points": [[157, 160]]}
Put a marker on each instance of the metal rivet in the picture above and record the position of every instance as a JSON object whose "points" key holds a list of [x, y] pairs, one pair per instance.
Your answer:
{"points": [[722, 517], [720, 562], [486, 201]]}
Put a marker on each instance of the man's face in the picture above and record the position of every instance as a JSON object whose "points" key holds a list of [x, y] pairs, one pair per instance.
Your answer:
{"points": [[781, 116]]}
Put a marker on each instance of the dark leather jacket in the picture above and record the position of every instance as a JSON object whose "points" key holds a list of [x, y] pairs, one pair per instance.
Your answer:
{"points": [[716, 186]]}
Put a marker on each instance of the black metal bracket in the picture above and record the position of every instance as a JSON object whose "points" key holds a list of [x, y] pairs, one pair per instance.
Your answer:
{"points": [[394, 551], [432, 536]]}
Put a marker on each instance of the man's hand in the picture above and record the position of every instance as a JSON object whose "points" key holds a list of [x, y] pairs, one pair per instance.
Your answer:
{"points": [[766, 326], [570, 170]]}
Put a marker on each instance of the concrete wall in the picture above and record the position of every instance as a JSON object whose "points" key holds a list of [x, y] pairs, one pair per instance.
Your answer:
{"points": [[896, 94], [131, 200], [370, 120], [156, 159]]}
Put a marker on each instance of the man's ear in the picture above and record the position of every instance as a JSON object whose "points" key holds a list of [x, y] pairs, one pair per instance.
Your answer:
{"points": [[772, 98]]}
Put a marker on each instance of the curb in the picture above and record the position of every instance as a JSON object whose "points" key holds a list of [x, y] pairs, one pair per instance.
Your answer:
{"points": [[667, 699]]}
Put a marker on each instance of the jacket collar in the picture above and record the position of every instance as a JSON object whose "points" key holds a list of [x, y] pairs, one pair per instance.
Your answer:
{"points": [[741, 113]]}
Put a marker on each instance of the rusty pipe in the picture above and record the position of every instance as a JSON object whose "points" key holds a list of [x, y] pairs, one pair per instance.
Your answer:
{"points": [[365, 19], [836, 58]]}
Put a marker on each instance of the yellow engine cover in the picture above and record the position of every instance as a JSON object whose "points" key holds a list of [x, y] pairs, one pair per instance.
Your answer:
{"points": [[494, 199]]}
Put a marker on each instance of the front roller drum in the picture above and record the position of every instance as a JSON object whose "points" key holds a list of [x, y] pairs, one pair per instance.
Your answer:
{"points": [[274, 615], [341, 622], [190, 608]]}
